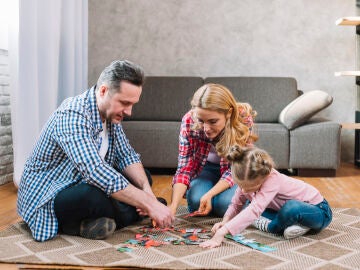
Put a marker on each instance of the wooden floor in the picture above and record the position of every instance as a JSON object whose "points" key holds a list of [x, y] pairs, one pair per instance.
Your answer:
{"points": [[340, 191]]}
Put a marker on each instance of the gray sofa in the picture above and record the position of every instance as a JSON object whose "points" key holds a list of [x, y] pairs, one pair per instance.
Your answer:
{"points": [[312, 149]]}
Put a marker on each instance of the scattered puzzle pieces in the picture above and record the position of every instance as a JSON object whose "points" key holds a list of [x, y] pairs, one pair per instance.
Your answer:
{"points": [[195, 214], [239, 238], [124, 249], [189, 236], [155, 229]]}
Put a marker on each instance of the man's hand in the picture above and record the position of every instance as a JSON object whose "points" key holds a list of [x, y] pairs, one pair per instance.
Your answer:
{"points": [[141, 212], [146, 204], [161, 214]]}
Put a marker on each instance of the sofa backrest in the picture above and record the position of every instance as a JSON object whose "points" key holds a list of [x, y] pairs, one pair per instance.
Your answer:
{"points": [[267, 95], [165, 98]]}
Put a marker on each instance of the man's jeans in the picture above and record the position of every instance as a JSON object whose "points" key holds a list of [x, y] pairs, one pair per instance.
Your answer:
{"points": [[315, 217], [83, 201], [208, 178]]}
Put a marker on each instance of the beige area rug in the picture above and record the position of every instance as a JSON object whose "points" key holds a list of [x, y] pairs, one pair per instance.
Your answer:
{"points": [[337, 247]]}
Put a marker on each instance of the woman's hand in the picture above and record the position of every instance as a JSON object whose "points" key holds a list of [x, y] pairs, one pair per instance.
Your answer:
{"points": [[173, 208], [205, 204]]}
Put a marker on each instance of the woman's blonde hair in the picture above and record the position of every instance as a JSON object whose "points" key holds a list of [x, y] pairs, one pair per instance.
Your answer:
{"points": [[216, 97], [249, 163]]}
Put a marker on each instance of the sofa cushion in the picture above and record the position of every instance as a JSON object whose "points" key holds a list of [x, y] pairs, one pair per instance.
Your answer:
{"points": [[165, 98], [156, 142], [303, 108], [267, 95]]}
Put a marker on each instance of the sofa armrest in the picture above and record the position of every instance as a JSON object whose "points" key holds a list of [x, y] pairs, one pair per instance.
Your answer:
{"points": [[316, 144]]}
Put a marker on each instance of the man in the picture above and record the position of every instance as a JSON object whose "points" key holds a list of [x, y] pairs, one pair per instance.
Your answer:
{"points": [[83, 178]]}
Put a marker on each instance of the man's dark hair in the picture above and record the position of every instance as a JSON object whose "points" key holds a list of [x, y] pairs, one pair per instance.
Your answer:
{"points": [[121, 70]]}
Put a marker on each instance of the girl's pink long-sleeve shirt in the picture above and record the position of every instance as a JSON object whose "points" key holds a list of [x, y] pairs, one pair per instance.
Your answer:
{"points": [[273, 193]]}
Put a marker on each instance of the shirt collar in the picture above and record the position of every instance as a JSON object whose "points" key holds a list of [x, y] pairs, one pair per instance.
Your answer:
{"points": [[95, 114]]}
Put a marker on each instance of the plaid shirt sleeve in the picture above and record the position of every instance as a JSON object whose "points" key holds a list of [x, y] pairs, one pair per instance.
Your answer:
{"points": [[226, 172], [185, 168], [73, 134]]}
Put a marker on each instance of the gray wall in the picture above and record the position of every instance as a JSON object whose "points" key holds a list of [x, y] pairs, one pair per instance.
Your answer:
{"points": [[296, 38], [6, 150]]}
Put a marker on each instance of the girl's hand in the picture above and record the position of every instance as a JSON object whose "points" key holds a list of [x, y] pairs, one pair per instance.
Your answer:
{"points": [[213, 242], [217, 226], [205, 205]]}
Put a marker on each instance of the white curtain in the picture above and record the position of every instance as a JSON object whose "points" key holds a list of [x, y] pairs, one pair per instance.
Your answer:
{"points": [[48, 62]]}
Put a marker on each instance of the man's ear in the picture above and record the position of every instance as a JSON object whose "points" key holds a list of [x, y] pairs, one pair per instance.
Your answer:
{"points": [[102, 90]]}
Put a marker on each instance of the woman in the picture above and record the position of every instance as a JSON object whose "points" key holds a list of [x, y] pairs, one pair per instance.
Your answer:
{"points": [[214, 123]]}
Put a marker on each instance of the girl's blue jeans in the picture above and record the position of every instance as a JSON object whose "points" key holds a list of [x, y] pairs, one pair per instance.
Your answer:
{"points": [[208, 178], [315, 217]]}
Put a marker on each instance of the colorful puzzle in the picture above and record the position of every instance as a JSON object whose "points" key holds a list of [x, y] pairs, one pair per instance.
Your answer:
{"points": [[189, 236]]}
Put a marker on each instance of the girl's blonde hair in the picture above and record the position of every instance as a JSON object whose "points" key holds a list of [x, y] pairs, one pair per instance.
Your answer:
{"points": [[249, 163], [216, 97]]}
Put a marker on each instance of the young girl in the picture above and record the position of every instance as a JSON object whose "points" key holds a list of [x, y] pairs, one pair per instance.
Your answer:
{"points": [[276, 203]]}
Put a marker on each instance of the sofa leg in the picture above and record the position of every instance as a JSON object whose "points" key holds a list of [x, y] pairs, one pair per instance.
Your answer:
{"points": [[316, 172]]}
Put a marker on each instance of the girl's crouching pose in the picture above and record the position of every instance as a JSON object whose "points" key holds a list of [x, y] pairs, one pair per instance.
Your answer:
{"points": [[269, 200]]}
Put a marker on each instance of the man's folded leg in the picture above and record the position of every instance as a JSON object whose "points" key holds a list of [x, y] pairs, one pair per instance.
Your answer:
{"points": [[84, 210]]}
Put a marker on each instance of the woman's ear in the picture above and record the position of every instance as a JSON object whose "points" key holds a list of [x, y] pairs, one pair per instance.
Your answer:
{"points": [[228, 114]]}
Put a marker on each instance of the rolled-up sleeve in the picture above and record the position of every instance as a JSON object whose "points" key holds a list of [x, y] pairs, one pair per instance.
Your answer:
{"points": [[226, 176], [185, 168]]}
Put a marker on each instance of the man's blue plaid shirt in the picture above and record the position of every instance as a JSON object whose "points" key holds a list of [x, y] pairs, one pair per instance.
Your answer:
{"points": [[66, 154]]}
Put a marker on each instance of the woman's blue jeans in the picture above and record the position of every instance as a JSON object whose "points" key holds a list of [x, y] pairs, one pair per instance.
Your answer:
{"points": [[83, 201], [208, 178], [315, 217]]}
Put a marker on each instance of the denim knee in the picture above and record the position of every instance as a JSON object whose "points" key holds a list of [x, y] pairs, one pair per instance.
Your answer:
{"points": [[289, 207], [198, 187], [220, 207], [222, 201], [289, 213]]}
